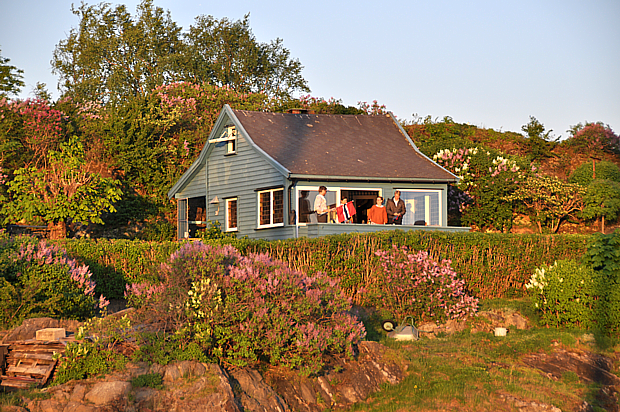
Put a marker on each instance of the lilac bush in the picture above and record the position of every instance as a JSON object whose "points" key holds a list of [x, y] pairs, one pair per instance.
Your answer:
{"points": [[249, 309], [39, 279], [413, 284]]}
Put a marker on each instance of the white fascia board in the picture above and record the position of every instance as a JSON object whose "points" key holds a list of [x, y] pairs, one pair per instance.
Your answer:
{"points": [[404, 132]]}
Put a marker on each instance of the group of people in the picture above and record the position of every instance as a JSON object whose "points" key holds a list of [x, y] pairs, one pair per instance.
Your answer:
{"points": [[391, 214], [378, 214]]}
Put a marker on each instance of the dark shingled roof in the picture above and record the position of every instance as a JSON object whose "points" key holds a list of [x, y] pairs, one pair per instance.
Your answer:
{"points": [[339, 145]]}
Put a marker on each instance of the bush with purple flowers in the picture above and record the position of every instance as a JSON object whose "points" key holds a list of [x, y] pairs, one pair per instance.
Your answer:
{"points": [[39, 279], [243, 310], [413, 284]]}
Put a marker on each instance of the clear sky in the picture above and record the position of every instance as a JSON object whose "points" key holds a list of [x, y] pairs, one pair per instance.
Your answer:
{"points": [[488, 63]]}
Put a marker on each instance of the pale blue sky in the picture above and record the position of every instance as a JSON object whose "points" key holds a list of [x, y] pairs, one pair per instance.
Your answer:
{"points": [[489, 63]]}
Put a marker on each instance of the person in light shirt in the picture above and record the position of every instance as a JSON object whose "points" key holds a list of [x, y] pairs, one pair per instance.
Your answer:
{"points": [[377, 215], [320, 205]]}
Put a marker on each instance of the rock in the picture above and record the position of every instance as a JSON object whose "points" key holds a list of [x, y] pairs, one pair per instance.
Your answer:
{"points": [[29, 327], [505, 318], [78, 393], [108, 392], [353, 382], [255, 394]]}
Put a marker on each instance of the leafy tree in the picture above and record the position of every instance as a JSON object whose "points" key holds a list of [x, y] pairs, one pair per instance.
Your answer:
{"points": [[539, 142], [593, 137], [587, 172], [113, 55], [29, 129], [602, 200], [548, 200], [64, 191], [10, 78], [486, 178], [226, 53]]}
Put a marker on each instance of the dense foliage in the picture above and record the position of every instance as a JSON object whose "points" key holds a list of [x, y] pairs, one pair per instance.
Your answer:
{"points": [[38, 279], [492, 265], [11, 79], [114, 55], [412, 284], [242, 309], [582, 294]]}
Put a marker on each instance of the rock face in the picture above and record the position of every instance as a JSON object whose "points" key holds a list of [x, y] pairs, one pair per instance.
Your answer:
{"points": [[28, 329], [197, 387]]}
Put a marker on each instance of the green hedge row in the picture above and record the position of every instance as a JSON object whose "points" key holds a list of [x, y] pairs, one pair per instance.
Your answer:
{"points": [[494, 265]]}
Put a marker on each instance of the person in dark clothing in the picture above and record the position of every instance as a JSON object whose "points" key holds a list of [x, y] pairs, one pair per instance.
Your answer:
{"points": [[396, 209]]}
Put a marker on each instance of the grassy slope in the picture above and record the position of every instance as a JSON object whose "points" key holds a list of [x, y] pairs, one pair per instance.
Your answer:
{"points": [[478, 371]]}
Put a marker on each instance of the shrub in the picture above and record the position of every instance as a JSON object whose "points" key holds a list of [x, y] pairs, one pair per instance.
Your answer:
{"points": [[95, 351], [246, 309], [585, 173], [150, 380], [565, 293], [39, 279], [413, 284]]}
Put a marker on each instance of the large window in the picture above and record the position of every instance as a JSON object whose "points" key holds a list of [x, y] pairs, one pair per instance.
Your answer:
{"points": [[362, 198], [423, 207], [271, 207], [231, 214]]}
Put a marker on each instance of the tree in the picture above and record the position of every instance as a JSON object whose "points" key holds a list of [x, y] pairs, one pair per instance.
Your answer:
{"points": [[113, 55], [549, 200], [64, 191], [539, 142], [587, 172], [10, 78], [593, 137], [226, 53], [602, 200]]}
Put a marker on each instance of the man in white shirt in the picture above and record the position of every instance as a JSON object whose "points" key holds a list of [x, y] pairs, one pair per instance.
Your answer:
{"points": [[320, 205]]}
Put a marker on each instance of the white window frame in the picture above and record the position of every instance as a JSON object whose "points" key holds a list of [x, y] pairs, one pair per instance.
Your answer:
{"points": [[227, 221], [440, 203], [337, 189], [229, 135], [271, 224]]}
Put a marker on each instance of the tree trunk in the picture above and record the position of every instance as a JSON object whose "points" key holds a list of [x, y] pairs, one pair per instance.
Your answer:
{"points": [[603, 224], [57, 231]]}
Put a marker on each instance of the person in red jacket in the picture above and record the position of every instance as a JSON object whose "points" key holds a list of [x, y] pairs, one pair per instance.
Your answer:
{"points": [[377, 214]]}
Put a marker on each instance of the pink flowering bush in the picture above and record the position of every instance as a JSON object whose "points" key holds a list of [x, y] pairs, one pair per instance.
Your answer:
{"points": [[243, 310], [38, 279], [413, 284]]}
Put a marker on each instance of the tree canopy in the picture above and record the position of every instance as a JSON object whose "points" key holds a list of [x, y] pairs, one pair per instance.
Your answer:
{"points": [[10, 78], [113, 55]]}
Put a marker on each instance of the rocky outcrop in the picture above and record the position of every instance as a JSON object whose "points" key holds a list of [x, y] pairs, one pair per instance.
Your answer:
{"points": [[29, 327], [196, 387]]}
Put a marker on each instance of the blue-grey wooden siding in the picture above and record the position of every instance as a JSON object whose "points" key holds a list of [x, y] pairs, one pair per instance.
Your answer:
{"points": [[239, 175], [196, 186]]}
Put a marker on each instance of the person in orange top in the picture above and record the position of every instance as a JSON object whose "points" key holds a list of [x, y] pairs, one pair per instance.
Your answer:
{"points": [[377, 214]]}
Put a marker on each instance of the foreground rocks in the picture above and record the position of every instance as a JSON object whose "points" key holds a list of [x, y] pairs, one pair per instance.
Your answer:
{"points": [[196, 387]]}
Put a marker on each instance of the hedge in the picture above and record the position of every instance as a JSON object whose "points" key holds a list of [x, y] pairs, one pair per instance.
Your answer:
{"points": [[493, 264]]}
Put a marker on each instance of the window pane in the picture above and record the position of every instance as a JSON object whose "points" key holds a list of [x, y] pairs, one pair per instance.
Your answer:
{"points": [[421, 206], [306, 200], [278, 206], [265, 208], [232, 214]]}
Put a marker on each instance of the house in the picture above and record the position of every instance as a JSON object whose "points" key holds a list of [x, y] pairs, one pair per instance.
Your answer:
{"points": [[259, 173]]}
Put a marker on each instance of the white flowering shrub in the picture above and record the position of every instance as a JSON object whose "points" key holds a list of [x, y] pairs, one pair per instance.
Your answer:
{"points": [[565, 293]]}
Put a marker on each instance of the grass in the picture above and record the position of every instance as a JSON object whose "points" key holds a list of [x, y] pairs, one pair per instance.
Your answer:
{"points": [[477, 371]]}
